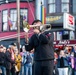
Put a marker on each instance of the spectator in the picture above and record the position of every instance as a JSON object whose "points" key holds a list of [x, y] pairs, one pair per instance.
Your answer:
{"points": [[28, 64], [63, 63], [9, 61], [73, 61], [2, 61], [18, 60]]}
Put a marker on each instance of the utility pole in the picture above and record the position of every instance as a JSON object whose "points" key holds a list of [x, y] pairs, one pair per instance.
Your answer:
{"points": [[18, 23]]}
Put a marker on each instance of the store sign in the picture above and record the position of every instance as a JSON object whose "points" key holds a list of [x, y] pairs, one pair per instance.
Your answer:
{"points": [[68, 21], [65, 42], [55, 19]]}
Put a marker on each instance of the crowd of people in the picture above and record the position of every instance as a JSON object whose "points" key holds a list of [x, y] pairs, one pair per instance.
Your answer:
{"points": [[13, 62], [65, 61]]}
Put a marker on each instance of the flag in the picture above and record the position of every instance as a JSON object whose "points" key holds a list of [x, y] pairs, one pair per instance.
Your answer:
{"points": [[43, 14], [10, 22]]}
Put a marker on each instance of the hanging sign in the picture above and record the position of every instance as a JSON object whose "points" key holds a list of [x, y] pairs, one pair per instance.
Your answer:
{"points": [[68, 21]]}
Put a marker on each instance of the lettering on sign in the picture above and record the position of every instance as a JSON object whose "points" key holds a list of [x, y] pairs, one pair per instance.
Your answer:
{"points": [[52, 18], [64, 42], [70, 19]]}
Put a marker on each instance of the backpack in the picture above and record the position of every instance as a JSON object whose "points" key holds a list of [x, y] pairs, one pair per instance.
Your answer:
{"points": [[28, 58]]}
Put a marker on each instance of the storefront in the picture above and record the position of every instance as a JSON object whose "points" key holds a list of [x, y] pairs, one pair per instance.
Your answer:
{"points": [[61, 45]]}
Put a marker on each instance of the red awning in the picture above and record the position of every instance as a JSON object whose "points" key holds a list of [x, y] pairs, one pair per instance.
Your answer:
{"points": [[10, 35]]}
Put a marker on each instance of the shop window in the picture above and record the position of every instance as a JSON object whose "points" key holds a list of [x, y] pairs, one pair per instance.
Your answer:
{"points": [[59, 35], [65, 35], [72, 35]]}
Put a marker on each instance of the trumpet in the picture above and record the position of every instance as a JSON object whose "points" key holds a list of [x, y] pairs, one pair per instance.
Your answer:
{"points": [[43, 27]]}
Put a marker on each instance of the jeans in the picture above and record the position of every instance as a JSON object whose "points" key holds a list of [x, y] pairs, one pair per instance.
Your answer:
{"points": [[63, 71], [73, 72], [28, 69], [22, 70], [3, 70]]}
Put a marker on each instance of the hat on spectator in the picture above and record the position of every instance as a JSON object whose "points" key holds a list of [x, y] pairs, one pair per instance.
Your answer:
{"points": [[13, 44]]}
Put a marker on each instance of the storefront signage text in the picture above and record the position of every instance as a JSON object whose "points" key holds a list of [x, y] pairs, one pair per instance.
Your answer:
{"points": [[52, 18]]}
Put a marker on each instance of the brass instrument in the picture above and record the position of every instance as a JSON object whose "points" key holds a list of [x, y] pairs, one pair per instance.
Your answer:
{"points": [[43, 27]]}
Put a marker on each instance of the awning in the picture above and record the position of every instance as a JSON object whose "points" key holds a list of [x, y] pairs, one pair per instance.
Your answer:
{"points": [[10, 35]]}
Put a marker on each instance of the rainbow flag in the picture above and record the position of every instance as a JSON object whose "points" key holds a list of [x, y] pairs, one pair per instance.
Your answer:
{"points": [[43, 14], [10, 22]]}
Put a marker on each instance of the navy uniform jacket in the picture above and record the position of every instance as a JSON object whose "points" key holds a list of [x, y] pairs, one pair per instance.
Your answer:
{"points": [[43, 46]]}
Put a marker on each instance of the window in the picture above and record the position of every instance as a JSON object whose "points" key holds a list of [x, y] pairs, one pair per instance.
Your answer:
{"points": [[65, 6], [65, 35], [23, 12], [4, 20], [65, 0], [51, 1], [51, 6], [13, 16], [72, 35], [59, 35]]}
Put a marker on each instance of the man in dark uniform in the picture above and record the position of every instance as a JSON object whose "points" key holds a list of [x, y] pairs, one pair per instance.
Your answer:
{"points": [[42, 43]]}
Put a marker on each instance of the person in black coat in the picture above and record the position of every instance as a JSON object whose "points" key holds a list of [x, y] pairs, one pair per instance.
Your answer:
{"points": [[9, 61], [42, 43], [2, 61]]}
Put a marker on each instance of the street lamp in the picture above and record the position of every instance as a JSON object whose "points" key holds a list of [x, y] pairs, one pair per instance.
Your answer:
{"points": [[18, 23]]}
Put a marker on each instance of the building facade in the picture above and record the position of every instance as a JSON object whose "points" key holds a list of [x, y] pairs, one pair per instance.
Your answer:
{"points": [[8, 19], [55, 10]]}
